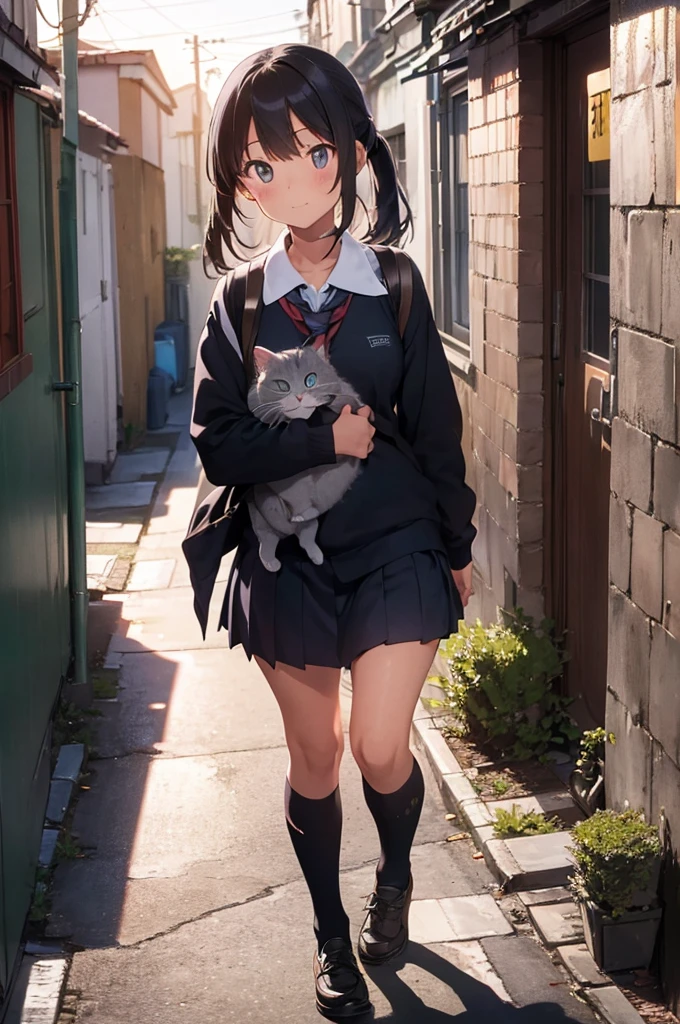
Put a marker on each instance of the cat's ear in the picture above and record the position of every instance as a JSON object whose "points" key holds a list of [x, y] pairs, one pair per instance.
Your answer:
{"points": [[322, 353], [262, 358]]}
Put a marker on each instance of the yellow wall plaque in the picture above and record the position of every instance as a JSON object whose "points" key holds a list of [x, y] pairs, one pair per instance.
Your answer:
{"points": [[599, 100]]}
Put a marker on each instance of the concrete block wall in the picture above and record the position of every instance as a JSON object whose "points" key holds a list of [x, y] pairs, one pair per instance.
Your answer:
{"points": [[505, 90], [643, 699]]}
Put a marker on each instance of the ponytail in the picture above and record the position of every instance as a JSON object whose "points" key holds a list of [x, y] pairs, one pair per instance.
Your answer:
{"points": [[389, 225]]}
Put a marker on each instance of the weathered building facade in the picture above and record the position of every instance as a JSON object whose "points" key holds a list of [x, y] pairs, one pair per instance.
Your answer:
{"points": [[542, 163]]}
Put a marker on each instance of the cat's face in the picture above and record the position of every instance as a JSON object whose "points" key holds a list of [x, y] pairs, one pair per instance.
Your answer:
{"points": [[291, 385]]}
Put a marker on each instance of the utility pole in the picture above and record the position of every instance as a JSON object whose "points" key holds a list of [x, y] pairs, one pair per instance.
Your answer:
{"points": [[198, 134], [72, 386]]}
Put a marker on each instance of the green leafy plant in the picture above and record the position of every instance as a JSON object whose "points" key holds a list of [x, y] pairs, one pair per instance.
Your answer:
{"points": [[593, 746], [177, 260], [617, 855], [67, 848], [516, 822], [500, 786], [501, 685]]}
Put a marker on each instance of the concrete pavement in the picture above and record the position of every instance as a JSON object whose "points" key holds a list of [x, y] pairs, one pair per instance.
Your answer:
{"points": [[190, 905]]}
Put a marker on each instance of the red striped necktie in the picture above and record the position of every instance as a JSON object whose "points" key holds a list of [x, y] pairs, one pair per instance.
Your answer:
{"points": [[325, 337]]}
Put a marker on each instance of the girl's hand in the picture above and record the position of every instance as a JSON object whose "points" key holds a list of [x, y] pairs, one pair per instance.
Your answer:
{"points": [[463, 580], [353, 434]]}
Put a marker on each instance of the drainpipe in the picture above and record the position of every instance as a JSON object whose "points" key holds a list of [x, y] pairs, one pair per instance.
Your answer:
{"points": [[68, 243]]}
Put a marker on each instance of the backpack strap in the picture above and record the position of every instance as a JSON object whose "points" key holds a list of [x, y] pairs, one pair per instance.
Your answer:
{"points": [[243, 301], [397, 270]]}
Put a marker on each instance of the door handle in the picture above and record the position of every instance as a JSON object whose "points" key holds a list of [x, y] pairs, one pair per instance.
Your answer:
{"points": [[601, 413]]}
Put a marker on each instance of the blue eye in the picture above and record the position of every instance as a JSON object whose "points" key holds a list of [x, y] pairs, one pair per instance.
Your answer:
{"points": [[320, 157], [263, 170], [281, 385], [310, 380]]}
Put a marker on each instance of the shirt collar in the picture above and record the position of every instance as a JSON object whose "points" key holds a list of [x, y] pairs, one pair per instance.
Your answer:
{"points": [[353, 272]]}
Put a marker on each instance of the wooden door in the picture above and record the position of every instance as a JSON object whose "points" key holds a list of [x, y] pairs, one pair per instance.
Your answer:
{"points": [[581, 376]]}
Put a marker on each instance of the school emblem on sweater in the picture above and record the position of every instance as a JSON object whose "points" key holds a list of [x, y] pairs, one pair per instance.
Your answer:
{"points": [[379, 340]]}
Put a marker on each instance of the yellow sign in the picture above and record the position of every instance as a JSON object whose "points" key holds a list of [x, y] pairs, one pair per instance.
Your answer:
{"points": [[599, 101]]}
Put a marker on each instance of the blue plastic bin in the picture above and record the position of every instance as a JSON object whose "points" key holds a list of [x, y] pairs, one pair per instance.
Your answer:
{"points": [[179, 331], [158, 393], [166, 356]]}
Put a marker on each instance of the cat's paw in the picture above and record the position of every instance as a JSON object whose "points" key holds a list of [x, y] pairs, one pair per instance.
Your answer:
{"points": [[271, 564], [316, 555], [306, 516]]}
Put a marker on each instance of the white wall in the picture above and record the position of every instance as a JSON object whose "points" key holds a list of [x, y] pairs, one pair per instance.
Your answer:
{"points": [[99, 345], [98, 93], [151, 143]]}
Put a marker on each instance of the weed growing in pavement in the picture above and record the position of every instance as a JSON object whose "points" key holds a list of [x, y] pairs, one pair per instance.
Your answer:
{"points": [[516, 822]]}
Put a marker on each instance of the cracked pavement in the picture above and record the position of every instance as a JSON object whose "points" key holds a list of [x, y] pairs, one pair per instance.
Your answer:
{"points": [[190, 905]]}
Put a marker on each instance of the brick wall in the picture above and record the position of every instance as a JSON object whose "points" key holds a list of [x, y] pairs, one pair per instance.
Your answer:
{"points": [[506, 313], [643, 701]]}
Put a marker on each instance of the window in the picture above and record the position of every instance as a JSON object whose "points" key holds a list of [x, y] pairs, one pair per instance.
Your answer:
{"points": [[396, 138], [372, 12], [596, 258], [453, 303], [11, 319]]}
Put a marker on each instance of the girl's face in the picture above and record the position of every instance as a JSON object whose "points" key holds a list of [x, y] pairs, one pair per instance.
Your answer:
{"points": [[299, 191]]}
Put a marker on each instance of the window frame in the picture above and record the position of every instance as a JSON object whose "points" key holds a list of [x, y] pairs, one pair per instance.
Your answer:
{"points": [[398, 132], [455, 335], [16, 364]]}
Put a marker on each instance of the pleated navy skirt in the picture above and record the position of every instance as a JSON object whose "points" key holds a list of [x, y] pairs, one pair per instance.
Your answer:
{"points": [[304, 615]]}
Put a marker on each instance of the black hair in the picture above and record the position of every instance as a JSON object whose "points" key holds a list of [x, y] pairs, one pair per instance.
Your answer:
{"points": [[265, 88]]}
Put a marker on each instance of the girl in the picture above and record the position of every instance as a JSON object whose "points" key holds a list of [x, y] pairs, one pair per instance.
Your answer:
{"points": [[290, 133]]}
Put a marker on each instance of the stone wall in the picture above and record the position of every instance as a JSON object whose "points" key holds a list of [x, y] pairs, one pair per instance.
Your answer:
{"points": [[643, 700], [506, 320]]}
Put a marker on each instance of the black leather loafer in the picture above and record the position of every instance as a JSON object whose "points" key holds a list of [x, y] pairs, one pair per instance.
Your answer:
{"points": [[385, 932], [341, 991]]}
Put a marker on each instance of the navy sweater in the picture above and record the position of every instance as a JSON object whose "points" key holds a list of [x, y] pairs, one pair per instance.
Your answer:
{"points": [[398, 504]]}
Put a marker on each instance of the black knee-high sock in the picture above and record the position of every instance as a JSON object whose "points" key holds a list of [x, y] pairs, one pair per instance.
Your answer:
{"points": [[396, 816], [315, 828]]}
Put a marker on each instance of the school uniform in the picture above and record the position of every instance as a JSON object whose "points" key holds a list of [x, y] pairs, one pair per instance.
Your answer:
{"points": [[390, 543]]}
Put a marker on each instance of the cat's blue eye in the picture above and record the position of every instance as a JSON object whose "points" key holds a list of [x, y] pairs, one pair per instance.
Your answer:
{"points": [[310, 380], [264, 171], [320, 157], [281, 385]]}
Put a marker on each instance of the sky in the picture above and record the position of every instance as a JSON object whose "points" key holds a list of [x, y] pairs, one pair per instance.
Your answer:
{"points": [[165, 25]]}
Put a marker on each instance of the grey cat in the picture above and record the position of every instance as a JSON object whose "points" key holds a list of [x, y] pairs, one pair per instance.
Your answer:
{"points": [[291, 385]]}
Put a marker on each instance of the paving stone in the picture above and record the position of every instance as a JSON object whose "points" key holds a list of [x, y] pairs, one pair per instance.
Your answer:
{"points": [[38, 991], [475, 917], [532, 862], [69, 762], [132, 466], [99, 568], [613, 1005], [470, 958], [581, 966], [48, 845], [119, 496], [59, 799], [428, 923], [535, 897], [113, 533], [152, 574], [557, 923]]}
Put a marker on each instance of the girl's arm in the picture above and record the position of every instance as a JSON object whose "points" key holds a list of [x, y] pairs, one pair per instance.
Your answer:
{"points": [[430, 419], [234, 446]]}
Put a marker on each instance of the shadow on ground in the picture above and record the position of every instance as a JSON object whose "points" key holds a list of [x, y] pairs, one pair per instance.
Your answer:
{"points": [[481, 1004]]}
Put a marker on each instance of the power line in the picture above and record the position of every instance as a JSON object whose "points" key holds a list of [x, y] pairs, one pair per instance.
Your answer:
{"points": [[207, 28], [261, 17]]}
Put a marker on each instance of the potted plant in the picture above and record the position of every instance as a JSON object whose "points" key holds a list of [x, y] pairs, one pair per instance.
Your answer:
{"points": [[177, 262], [586, 782], [618, 858]]}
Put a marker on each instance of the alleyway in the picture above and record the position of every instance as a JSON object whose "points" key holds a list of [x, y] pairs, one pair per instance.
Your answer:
{"points": [[190, 907]]}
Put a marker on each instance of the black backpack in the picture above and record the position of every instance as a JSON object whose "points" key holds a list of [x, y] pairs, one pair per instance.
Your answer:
{"points": [[220, 515]]}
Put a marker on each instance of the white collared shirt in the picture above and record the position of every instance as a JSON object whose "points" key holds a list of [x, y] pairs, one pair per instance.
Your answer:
{"points": [[357, 270]]}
